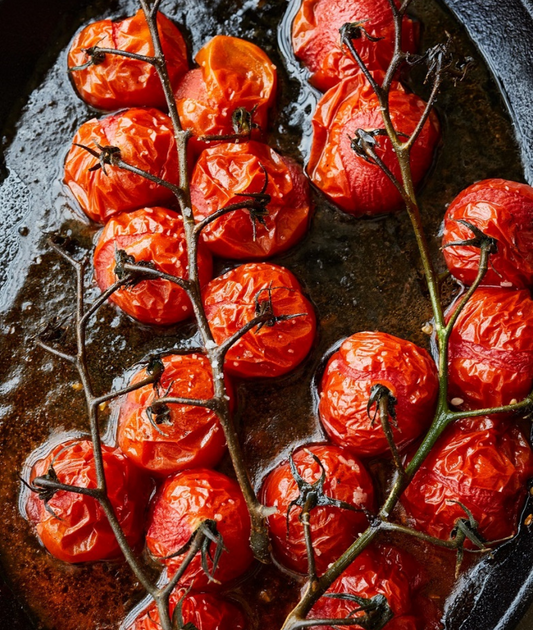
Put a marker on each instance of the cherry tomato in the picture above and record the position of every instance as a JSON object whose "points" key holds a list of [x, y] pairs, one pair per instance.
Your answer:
{"points": [[367, 359], [146, 140], [75, 528], [186, 500], [491, 349], [118, 82], [333, 529], [233, 299], [356, 185], [504, 211], [317, 42], [483, 467], [155, 235], [226, 172], [233, 75]]}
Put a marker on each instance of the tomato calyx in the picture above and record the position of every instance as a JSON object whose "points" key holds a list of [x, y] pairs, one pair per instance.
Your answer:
{"points": [[242, 121], [122, 258], [264, 309], [377, 610], [465, 529], [480, 239], [356, 30], [258, 211], [379, 392], [44, 492], [108, 155], [96, 57]]}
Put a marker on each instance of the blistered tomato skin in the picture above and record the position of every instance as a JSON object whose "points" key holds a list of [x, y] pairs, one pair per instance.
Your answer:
{"points": [[491, 349], [367, 359], [502, 210], [317, 42], [226, 171], [230, 302], [186, 500], [146, 140], [333, 529], [80, 531], [118, 82], [192, 437], [155, 235], [354, 184]]}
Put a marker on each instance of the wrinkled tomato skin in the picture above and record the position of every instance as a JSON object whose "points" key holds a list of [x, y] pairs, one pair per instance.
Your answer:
{"points": [[186, 500], [317, 42], [233, 73], [227, 171], [354, 184], [491, 349], [120, 82], [485, 466], [502, 210], [146, 140], [367, 359], [230, 303], [81, 531], [155, 235], [333, 529], [192, 438]]}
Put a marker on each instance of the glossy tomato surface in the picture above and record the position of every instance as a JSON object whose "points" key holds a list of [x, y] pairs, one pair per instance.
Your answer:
{"points": [[118, 82], [146, 140], [78, 529], [491, 349], [155, 235], [502, 210], [231, 302], [317, 42], [374, 358], [333, 529], [354, 184], [226, 172], [186, 500]]}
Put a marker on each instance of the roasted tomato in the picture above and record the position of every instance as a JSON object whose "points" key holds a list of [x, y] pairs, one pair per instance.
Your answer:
{"points": [[234, 299], [482, 466], [316, 39], [117, 82], [504, 211], [382, 570], [145, 139], [224, 174], [235, 79], [73, 527], [333, 529], [356, 185], [491, 349], [182, 504], [367, 359], [155, 235]]}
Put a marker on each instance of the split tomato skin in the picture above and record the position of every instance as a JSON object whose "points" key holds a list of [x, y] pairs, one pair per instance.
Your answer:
{"points": [[502, 210], [155, 235], [227, 171], [333, 529], [367, 359], [357, 186], [80, 531], [230, 302], [146, 140], [119, 82]]}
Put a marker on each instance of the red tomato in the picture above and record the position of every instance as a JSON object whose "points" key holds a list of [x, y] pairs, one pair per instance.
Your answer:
{"points": [[183, 502], [229, 170], [354, 184], [230, 303], [367, 359], [80, 531], [483, 467], [333, 529], [491, 349], [156, 235], [146, 140], [504, 211], [316, 39], [119, 82], [192, 437], [233, 74]]}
